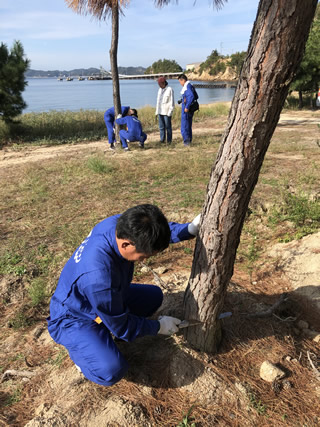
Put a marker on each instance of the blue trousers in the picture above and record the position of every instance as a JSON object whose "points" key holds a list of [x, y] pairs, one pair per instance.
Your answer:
{"points": [[109, 121], [165, 128], [91, 346], [125, 135], [186, 127]]}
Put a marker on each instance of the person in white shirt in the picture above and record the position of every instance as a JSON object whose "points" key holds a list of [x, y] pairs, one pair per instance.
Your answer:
{"points": [[164, 110]]}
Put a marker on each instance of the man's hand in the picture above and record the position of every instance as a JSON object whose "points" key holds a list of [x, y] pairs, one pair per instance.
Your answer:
{"points": [[193, 227], [119, 116], [186, 110], [168, 325]]}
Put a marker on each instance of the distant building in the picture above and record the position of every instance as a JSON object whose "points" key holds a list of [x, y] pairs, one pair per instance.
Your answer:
{"points": [[190, 67]]}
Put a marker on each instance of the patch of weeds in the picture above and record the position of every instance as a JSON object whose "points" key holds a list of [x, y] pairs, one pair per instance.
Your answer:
{"points": [[11, 264], [59, 358], [19, 356], [42, 259], [36, 186], [252, 251], [13, 398], [99, 165], [19, 321], [188, 251], [309, 177], [37, 292], [299, 210], [187, 420], [257, 404], [273, 182]]}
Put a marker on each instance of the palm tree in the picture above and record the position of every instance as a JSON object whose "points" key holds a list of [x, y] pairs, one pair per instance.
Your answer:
{"points": [[275, 50], [102, 9]]}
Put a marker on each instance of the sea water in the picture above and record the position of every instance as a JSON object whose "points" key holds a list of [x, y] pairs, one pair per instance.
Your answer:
{"points": [[45, 94]]}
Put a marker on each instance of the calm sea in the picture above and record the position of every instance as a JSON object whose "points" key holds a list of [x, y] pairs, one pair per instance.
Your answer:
{"points": [[50, 94]]}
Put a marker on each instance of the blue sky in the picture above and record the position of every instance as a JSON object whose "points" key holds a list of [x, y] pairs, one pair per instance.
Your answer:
{"points": [[54, 37]]}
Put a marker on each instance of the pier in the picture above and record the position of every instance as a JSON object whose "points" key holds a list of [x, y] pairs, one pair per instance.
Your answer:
{"points": [[215, 85], [150, 76]]}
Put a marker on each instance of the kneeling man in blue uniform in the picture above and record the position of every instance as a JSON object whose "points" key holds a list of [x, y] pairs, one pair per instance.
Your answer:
{"points": [[95, 300], [109, 119], [134, 129]]}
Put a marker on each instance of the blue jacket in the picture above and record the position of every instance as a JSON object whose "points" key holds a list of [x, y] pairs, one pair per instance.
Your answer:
{"points": [[133, 125], [189, 96], [95, 280], [110, 112]]}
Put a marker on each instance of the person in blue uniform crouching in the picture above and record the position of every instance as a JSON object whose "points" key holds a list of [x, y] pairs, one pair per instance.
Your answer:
{"points": [[134, 129], [109, 118], [188, 97], [95, 300]]}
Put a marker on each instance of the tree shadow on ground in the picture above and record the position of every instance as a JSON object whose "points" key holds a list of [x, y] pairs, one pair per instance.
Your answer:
{"points": [[157, 361]]}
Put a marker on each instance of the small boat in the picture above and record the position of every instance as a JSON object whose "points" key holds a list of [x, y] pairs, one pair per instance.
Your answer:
{"points": [[69, 79], [80, 78], [60, 79]]}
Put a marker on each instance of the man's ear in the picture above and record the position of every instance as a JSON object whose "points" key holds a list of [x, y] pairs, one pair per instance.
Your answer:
{"points": [[125, 244]]}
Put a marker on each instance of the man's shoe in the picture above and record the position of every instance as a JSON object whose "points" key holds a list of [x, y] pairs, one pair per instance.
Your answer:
{"points": [[141, 144], [112, 147], [78, 367], [126, 148]]}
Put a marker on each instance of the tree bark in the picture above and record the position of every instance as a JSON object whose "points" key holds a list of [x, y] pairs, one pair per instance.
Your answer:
{"points": [[275, 50], [300, 100], [114, 62]]}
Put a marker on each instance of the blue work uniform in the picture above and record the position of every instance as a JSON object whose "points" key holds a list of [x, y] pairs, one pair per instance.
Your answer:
{"points": [[133, 132], [96, 281], [188, 97], [109, 117]]}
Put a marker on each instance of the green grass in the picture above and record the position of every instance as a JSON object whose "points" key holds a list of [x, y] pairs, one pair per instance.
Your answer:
{"points": [[299, 210], [37, 292], [100, 165]]}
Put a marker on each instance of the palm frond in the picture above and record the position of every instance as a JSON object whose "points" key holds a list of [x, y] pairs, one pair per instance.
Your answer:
{"points": [[216, 3], [100, 9]]}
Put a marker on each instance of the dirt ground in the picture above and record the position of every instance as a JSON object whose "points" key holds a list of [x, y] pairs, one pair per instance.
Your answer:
{"points": [[169, 383]]}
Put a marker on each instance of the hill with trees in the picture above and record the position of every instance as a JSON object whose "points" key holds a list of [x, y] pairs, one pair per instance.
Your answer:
{"points": [[219, 67], [164, 66], [82, 72]]}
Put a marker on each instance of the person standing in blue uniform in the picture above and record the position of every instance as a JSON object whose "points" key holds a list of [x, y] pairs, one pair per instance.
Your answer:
{"points": [[134, 130], [109, 118], [189, 95], [95, 300]]}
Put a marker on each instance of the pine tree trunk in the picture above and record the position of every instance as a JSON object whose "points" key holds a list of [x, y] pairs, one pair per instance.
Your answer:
{"points": [[275, 51], [300, 100], [114, 62]]}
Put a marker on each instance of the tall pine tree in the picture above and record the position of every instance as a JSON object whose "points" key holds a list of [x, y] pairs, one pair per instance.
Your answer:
{"points": [[308, 75], [13, 66]]}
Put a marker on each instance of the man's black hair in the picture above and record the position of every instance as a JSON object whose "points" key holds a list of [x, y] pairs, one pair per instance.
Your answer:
{"points": [[134, 112], [146, 227], [183, 77]]}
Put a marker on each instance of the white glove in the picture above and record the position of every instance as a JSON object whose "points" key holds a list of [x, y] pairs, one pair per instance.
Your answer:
{"points": [[119, 116], [168, 325], [193, 227]]}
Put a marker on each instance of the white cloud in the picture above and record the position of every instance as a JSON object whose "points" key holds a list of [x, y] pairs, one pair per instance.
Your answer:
{"points": [[50, 26]]}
